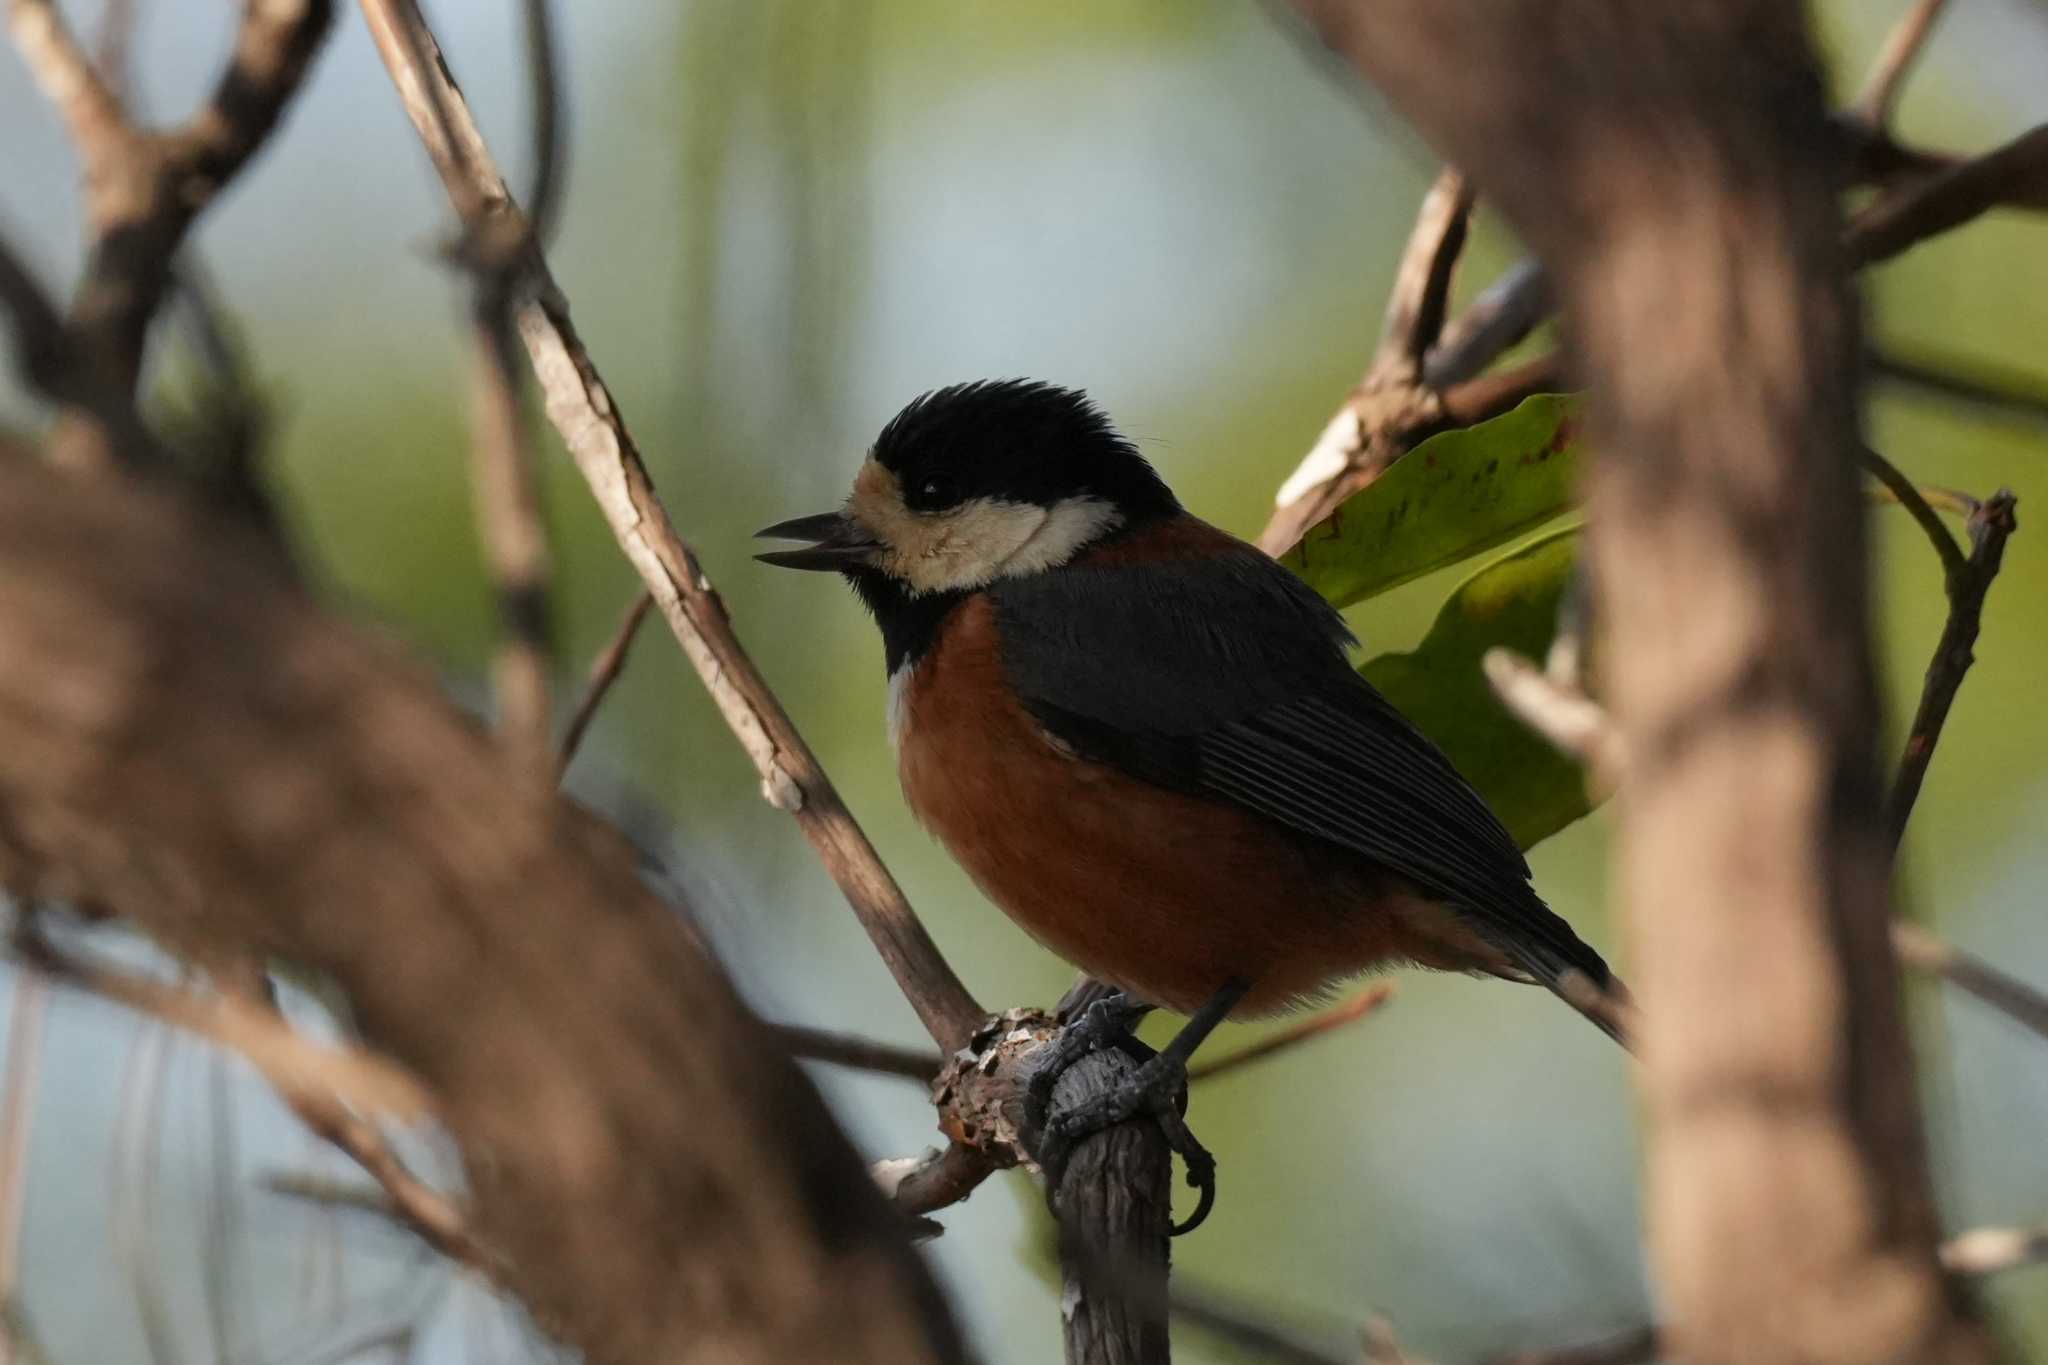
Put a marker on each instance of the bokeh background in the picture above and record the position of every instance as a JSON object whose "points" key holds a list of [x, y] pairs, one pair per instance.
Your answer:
{"points": [[785, 218]]}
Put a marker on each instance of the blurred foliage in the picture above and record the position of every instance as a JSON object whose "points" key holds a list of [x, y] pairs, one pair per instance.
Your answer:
{"points": [[1512, 603]]}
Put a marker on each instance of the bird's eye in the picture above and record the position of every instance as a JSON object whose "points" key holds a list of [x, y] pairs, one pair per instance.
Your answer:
{"points": [[934, 491]]}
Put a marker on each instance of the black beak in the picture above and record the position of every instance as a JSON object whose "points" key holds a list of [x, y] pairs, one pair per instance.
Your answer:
{"points": [[842, 542]]}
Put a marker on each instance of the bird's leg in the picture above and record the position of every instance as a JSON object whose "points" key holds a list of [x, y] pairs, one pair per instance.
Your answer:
{"points": [[1157, 1088]]}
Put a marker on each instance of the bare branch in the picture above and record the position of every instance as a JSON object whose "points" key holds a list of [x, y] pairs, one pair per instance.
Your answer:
{"points": [[1422, 281], [1903, 491], [1504, 313], [67, 78], [504, 472], [604, 671], [2003, 389], [1301, 1031], [584, 411], [1992, 1251], [292, 1063], [1902, 47], [1628, 1348], [1990, 525], [18, 1081], [150, 187], [862, 1054], [550, 136], [946, 1178], [1921, 949], [2013, 176], [644, 1155]]}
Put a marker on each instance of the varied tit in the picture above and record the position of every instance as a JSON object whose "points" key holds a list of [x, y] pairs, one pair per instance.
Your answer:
{"points": [[1142, 737]]}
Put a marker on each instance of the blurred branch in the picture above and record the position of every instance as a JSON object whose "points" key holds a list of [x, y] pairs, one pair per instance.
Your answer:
{"points": [[584, 411], [1902, 47], [397, 1196], [1421, 292], [861, 1054], [112, 44], [503, 470], [52, 363], [292, 1063], [1304, 1030], [1628, 1348], [18, 1083], [1982, 383], [1968, 582], [2013, 176], [145, 188], [604, 671], [493, 940], [1503, 314], [1921, 949], [1993, 1251], [57, 61]]}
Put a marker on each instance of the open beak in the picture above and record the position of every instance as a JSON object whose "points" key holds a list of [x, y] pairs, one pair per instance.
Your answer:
{"points": [[840, 542]]}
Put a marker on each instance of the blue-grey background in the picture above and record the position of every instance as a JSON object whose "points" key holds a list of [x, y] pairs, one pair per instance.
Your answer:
{"points": [[784, 218]]}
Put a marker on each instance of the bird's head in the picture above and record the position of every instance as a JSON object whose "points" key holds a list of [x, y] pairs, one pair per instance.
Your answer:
{"points": [[978, 482]]}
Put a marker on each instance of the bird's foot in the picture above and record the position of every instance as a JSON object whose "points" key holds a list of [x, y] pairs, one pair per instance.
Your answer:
{"points": [[1158, 1087]]}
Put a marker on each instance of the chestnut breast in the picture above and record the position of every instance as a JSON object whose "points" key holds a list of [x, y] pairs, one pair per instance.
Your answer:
{"points": [[1166, 894]]}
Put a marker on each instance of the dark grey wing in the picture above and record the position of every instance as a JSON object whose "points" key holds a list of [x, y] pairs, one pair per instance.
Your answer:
{"points": [[1226, 677]]}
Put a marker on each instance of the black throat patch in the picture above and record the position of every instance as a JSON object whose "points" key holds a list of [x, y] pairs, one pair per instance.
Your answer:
{"points": [[910, 621]]}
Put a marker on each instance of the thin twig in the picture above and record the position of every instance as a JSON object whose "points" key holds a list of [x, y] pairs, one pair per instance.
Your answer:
{"points": [[940, 1180], [2012, 176], [1902, 47], [1903, 491], [139, 1130], [584, 411], [112, 43], [1421, 293], [550, 118], [1990, 525], [2003, 389], [1992, 1251], [289, 1060], [504, 473], [604, 671], [67, 77], [862, 1054], [1301, 1031], [1922, 949], [18, 1083], [1505, 312], [1629, 1348]]}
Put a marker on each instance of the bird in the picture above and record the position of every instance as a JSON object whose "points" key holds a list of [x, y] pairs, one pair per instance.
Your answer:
{"points": [[1145, 742]]}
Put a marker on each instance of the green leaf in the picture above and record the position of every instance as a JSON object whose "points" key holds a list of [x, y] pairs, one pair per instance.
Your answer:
{"points": [[1440, 686], [1456, 494]]}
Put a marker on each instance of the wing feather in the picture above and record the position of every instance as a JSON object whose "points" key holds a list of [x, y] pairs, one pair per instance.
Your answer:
{"points": [[1227, 677]]}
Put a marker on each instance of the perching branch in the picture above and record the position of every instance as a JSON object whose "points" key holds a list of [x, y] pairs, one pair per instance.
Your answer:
{"points": [[585, 413]]}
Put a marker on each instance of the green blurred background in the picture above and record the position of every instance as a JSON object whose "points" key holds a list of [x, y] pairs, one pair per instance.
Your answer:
{"points": [[786, 217]]}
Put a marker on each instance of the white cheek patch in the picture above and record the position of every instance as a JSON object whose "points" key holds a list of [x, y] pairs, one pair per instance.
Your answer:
{"points": [[974, 544]]}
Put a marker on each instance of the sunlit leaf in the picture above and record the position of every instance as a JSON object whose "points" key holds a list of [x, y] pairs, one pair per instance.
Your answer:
{"points": [[1449, 498], [1511, 602]]}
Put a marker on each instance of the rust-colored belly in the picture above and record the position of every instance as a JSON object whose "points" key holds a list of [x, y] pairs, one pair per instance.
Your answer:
{"points": [[1166, 895]]}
